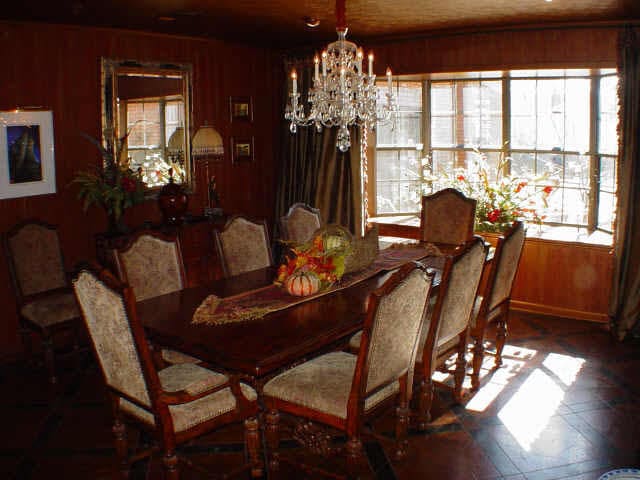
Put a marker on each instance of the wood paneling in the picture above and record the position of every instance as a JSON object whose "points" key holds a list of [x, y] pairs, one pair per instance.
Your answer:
{"points": [[565, 279], [57, 68]]}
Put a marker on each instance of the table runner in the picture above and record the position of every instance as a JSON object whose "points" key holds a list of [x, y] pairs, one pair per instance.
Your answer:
{"points": [[255, 304]]}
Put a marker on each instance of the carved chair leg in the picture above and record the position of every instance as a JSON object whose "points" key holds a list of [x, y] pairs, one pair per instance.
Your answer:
{"points": [[272, 420], [27, 343], [402, 426], [425, 400], [461, 367], [501, 338], [478, 355], [49, 357], [170, 461], [355, 456], [252, 440], [120, 436]]}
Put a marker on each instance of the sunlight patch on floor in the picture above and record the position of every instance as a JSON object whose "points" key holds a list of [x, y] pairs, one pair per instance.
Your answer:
{"points": [[565, 367], [528, 411]]}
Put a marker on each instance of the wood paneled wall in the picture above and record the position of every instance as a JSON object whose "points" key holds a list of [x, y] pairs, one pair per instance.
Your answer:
{"points": [[57, 68]]}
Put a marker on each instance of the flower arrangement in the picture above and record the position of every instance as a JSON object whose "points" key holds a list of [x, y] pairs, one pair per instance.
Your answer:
{"points": [[323, 257], [504, 200], [114, 185]]}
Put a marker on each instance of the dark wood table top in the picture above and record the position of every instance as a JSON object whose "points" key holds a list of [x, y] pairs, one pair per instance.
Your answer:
{"points": [[257, 348]]}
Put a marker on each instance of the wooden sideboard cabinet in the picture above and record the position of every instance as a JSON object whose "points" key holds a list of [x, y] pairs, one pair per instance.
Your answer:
{"points": [[196, 242]]}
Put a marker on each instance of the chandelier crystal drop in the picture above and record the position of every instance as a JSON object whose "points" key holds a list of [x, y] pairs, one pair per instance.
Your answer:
{"points": [[342, 94]]}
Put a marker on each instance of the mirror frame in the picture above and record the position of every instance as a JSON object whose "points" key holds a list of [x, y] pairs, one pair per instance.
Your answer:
{"points": [[110, 68]]}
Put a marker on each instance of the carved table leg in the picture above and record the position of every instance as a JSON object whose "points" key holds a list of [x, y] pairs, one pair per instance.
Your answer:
{"points": [[272, 419]]}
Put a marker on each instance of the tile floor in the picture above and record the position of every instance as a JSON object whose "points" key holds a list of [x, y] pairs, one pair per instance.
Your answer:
{"points": [[565, 405]]}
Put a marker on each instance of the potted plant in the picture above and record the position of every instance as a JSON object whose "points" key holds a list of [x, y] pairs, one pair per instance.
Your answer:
{"points": [[113, 185]]}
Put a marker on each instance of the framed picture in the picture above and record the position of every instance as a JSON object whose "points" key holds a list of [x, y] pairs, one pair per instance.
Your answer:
{"points": [[27, 165], [242, 149], [241, 109]]}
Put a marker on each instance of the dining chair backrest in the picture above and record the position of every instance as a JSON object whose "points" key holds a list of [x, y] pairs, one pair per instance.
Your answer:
{"points": [[151, 263], [243, 245], [447, 217], [458, 294], [299, 223], [117, 340], [505, 261], [35, 258], [395, 317]]}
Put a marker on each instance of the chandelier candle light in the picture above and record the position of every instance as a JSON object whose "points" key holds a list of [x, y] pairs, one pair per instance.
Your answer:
{"points": [[341, 95]]}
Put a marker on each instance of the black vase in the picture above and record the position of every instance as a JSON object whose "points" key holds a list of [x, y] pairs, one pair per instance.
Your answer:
{"points": [[173, 202]]}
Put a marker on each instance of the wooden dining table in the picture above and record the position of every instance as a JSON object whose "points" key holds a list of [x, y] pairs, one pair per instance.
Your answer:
{"points": [[259, 348]]}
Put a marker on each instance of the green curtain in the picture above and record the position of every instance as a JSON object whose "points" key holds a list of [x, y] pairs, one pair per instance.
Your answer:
{"points": [[314, 171], [624, 307]]}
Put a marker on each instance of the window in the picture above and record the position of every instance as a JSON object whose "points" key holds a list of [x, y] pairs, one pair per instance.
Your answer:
{"points": [[556, 123], [150, 123]]}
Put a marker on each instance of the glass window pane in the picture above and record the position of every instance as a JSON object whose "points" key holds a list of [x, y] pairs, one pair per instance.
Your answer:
{"points": [[442, 131], [608, 116], [441, 99], [550, 165], [577, 171], [387, 165], [578, 114], [523, 132], [575, 203], [608, 173], [442, 162], [550, 114], [522, 164], [409, 95], [606, 210]]}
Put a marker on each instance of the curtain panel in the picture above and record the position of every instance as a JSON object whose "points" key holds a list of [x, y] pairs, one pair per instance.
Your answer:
{"points": [[624, 308], [313, 170]]}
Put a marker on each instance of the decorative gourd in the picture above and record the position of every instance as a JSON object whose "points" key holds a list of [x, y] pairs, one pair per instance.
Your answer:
{"points": [[302, 284]]}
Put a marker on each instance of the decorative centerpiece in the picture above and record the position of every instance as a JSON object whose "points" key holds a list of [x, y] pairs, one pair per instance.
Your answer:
{"points": [[505, 199], [317, 264], [113, 185]]}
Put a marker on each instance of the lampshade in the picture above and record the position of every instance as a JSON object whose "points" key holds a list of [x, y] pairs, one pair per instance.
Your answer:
{"points": [[207, 141], [176, 140]]}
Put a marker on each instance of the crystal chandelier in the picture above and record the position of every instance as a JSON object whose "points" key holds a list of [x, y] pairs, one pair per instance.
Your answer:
{"points": [[342, 94]]}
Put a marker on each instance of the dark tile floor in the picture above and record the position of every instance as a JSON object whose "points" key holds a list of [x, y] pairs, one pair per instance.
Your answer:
{"points": [[565, 405]]}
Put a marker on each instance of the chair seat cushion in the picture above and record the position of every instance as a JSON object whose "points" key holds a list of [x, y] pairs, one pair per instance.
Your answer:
{"points": [[175, 357], [51, 309], [323, 384], [193, 379]]}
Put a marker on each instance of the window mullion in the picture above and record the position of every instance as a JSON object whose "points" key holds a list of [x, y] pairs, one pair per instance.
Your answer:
{"points": [[506, 123], [594, 158]]}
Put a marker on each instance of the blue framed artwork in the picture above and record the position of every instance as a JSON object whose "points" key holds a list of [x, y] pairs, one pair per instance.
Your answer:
{"points": [[27, 164]]}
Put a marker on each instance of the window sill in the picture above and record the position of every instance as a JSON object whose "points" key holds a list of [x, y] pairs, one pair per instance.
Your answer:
{"points": [[540, 232]]}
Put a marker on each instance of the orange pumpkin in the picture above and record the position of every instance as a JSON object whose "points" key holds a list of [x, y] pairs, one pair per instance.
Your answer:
{"points": [[302, 284]]}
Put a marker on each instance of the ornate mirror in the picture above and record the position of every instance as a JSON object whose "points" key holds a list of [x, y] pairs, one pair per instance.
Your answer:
{"points": [[147, 107]]}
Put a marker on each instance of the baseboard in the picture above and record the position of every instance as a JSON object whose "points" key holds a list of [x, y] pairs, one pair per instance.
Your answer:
{"points": [[558, 311]]}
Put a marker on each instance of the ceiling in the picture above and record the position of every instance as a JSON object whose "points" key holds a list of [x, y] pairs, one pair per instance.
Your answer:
{"points": [[280, 23]]}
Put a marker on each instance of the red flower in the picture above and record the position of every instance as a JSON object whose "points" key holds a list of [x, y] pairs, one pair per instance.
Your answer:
{"points": [[520, 186], [494, 215], [128, 184], [548, 189], [460, 177]]}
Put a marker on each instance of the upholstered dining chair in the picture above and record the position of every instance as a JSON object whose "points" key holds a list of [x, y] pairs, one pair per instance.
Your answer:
{"points": [[175, 404], [340, 390], [298, 225], [447, 217], [449, 324], [151, 263], [243, 245], [46, 303], [492, 304]]}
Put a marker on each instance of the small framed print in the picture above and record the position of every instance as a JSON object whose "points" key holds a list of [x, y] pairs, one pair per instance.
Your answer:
{"points": [[242, 149], [241, 109], [27, 165]]}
